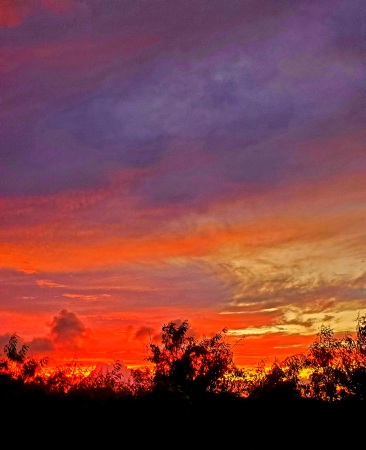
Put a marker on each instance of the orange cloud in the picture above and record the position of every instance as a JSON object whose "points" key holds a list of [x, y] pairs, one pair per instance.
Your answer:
{"points": [[47, 254], [48, 283], [62, 238], [83, 296]]}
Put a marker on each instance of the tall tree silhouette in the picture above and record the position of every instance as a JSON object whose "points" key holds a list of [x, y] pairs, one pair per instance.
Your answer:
{"points": [[186, 365]]}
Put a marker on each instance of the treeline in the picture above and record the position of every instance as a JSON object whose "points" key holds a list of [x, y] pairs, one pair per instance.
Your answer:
{"points": [[192, 392], [333, 369]]}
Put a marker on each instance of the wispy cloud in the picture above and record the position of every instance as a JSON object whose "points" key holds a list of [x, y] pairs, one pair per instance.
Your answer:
{"points": [[48, 283], [85, 296]]}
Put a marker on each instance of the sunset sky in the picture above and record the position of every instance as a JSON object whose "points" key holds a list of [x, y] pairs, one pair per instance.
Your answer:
{"points": [[163, 160]]}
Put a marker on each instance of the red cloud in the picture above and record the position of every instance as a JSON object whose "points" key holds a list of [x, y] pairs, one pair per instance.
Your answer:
{"points": [[12, 12]]}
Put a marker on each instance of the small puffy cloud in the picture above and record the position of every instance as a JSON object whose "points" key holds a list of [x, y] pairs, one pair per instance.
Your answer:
{"points": [[68, 330]]}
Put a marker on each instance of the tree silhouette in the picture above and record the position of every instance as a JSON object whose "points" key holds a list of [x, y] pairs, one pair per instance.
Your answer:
{"points": [[191, 368], [186, 365], [338, 365], [18, 364]]}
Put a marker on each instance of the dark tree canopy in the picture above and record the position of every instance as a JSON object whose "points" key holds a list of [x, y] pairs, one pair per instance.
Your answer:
{"points": [[190, 366], [334, 368]]}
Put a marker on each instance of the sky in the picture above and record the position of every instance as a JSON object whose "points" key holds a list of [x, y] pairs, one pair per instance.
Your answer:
{"points": [[169, 160]]}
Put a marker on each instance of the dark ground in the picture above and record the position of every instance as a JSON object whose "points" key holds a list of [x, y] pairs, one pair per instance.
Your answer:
{"points": [[38, 421]]}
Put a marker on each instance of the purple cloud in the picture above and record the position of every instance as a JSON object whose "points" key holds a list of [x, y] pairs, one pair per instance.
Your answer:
{"points": [[234, 87]]}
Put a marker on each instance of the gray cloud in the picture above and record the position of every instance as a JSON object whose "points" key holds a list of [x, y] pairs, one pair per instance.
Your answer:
{"points": [[66, 329], [145, 333], [40, 345]]}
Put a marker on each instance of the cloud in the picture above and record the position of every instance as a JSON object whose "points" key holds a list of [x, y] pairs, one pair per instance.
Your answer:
{"points": [[239, 99], [48, 283], [144, 332], [67, 330], [81, 296], [27, 270], [40, 345], [13, 13]]}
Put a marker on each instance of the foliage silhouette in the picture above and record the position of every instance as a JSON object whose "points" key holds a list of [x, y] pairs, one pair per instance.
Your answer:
{"points": [[193, 387], [190, 369], [189, 366], [338, 366], [280, 381]]}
